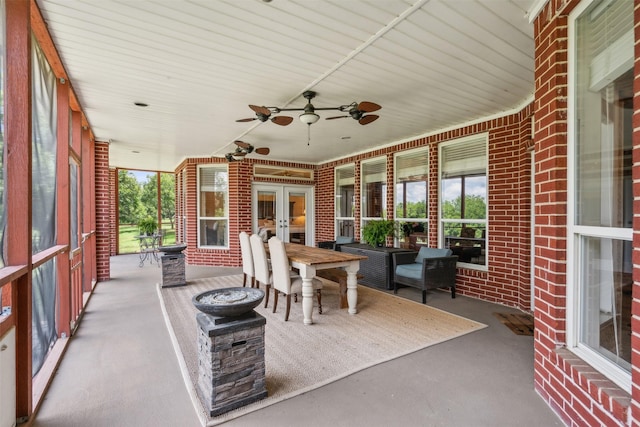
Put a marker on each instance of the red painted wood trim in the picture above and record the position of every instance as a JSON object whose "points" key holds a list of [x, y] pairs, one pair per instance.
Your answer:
{"points": [[9, 274], [18, 170], [47, 254], [63, 189]]}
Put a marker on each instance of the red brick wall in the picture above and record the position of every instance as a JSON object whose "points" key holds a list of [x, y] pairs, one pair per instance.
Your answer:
{"points": [[577, 392], [104, 211], [240, 180], [507, 280]]}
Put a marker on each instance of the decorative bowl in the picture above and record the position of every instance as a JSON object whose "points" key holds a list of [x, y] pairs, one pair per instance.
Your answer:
{"points": [[228, 302], [170, 249]]}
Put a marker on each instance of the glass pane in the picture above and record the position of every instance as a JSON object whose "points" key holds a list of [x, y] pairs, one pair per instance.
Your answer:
{"points": [[297, 217], [604, 109], [266, 214], [466, 240], [213, 192], [213, 232], [411, 199], [345, 191], [452, 198], [475, 197], [605, 300], [374, 189], [345, 227]]}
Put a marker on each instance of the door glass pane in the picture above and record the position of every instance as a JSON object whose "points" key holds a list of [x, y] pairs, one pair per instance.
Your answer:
{"points": [[297, 218], [266, 214]]}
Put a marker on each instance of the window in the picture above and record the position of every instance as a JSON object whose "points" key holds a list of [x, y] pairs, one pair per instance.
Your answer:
{"points": [[374, 190], [412, 184], [463, 198], [600, 187], [213, 205], [345, 200]]}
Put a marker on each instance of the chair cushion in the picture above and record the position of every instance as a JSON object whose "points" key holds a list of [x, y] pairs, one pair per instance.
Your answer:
{"points": [[340, 240], [426, 252], [412, 271]]}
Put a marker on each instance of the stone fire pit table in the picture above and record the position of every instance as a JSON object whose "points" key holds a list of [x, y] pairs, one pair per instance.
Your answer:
{"points": [[173, 265]]}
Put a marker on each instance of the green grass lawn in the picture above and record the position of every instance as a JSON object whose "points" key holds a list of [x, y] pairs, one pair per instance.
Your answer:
{"points": [[128, 244]]}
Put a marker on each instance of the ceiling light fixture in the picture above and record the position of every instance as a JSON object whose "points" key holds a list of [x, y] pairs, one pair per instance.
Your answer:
{"points": [[140, 104]]}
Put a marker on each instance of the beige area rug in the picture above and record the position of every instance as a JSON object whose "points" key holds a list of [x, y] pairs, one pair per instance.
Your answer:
{"points": [[300, 358]]}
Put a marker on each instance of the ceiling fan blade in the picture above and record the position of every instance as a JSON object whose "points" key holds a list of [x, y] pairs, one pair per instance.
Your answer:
{"points": [[239, 154], [336, 117], [282, 120], [242, 144], [247, 120], [368, 107], [260, 110], [263, 150], [368, 119]]}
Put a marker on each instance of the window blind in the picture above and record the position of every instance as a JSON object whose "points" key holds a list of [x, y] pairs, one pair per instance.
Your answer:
{"points": [[464, 158]]}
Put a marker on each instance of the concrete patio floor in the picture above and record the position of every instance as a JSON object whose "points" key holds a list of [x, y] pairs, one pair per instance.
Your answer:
{"points": [[120, 369]]}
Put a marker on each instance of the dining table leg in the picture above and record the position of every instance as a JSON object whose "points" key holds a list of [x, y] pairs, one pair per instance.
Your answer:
{"points": [[352, 286], [307, 272]]}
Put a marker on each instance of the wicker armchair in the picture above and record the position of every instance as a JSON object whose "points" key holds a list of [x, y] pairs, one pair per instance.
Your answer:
{"points": [[427, 269]]}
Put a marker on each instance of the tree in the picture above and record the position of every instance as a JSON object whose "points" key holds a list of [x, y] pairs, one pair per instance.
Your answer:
{"points": [[129, 198], [149, 196], [168, 196], [475, 207]]}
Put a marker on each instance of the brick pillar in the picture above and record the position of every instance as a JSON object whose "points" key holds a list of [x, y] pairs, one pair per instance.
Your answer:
{"points": [[103, 210]]}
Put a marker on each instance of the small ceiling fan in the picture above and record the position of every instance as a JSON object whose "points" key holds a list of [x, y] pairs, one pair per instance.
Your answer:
{"points": [[263, 114], [358, 111], [309, 116], [242, 149]]}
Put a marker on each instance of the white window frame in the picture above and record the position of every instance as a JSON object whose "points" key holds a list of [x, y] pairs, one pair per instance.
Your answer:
{"points": [[441, 221], [337, 218], [575, 232], [363, 197], [218, 166], [401, 154]]}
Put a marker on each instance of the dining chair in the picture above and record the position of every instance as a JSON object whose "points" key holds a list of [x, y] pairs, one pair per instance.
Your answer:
{"points": [[283, 280], [248, 269], [260, 265]]}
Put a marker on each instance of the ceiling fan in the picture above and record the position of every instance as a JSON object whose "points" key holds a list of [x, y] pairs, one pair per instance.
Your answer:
{"points": [[263, 114], [355, 110], [242, 149]]}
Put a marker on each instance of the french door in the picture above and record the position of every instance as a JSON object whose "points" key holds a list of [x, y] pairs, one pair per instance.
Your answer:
{"points": [[283, 211]]}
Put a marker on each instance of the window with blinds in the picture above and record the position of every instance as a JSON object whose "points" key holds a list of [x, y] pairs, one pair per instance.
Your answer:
{"points": [[374, 189], [411, 191], [463, 198], [345, 200], [213, 182]]}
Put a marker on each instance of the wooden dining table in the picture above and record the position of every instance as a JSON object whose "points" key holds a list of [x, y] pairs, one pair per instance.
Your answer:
{"points": [[308, 260]]}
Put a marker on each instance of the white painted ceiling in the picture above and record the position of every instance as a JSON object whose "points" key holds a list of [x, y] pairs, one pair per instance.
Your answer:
{"points": [[198, 64]]}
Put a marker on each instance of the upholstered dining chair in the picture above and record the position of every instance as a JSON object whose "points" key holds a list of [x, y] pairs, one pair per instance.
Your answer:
{"points": [[247, 260], [261, 265], [283, 281]]}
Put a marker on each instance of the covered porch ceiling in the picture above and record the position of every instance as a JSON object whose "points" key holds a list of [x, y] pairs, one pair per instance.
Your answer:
{"points": [[198, 64]]}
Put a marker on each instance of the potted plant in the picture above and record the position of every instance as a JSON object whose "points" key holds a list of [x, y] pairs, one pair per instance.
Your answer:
{"points": [[148, 226], [376, 232]]}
